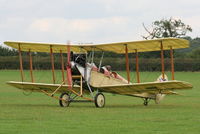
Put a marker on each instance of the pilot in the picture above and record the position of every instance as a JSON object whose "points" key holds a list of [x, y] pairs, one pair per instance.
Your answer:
{"points": [[106, 70]]}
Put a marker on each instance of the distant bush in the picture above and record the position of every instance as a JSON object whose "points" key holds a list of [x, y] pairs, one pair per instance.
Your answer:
{"points": [[118, 64]]}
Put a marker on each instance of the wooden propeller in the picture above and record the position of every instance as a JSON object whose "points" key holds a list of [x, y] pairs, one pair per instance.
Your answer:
{"points": [[69, 70]]}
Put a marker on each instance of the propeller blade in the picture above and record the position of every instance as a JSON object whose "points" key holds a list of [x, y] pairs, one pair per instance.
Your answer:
{"points": [[69, 70]]}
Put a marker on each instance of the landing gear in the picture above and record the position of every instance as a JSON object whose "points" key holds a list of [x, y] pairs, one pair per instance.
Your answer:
{"points": [[146, 101], [64, 100], [99, 100]]}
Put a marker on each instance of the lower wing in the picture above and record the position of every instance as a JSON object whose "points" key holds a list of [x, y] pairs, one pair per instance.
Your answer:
{"points": [[148, 87], [38, 87]]}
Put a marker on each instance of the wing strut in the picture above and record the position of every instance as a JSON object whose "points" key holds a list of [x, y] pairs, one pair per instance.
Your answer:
{"points": [[31, 65], [127, 63], [62, 65], [52, 64], [172, 62], [21, 63], [162, 60], [137, 66]]}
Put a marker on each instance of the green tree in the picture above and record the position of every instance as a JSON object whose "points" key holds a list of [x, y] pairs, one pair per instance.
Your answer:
{"points": [[4, 51], [167, 28], [195, 54]]}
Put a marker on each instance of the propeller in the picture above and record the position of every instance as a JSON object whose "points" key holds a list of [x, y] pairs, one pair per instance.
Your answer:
{"points": [[69, 69]]}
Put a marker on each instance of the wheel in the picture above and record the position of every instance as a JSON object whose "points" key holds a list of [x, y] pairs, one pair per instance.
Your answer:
{"points": [[99, 100], [146, 101], [65, 100]]}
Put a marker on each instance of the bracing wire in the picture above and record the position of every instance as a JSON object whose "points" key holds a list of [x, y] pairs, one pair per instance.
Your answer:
{"points": [[101, 61], [89, 57], [156, 71], [92, 55]]}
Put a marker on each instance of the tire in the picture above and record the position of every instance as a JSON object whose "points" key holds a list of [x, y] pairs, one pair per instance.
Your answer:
{"points": [[146, 102], [99, 100], [66, 97]]}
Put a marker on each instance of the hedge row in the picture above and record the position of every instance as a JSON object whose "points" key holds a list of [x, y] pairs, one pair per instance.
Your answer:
{"points": [[118, 64]]}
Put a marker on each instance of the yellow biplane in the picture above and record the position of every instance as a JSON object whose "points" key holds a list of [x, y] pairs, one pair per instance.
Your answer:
{"points": [[84, 77]]}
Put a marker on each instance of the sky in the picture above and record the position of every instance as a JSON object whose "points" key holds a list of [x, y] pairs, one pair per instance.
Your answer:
{"points": [[90, 21]]}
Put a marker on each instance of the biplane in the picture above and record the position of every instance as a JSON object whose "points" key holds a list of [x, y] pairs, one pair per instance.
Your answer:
{"points": [[85, 79]]}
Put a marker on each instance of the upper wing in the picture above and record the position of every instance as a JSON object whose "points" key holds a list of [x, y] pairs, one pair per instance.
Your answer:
{"points": [[149, 87], [37, 87], [140, 46]]}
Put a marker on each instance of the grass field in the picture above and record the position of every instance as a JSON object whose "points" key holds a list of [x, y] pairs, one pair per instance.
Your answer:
{"points": [[38, 113]]}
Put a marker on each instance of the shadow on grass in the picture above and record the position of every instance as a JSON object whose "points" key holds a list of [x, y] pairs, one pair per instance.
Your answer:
{"points": [[140, 106], [28, 105], [109, 106]]}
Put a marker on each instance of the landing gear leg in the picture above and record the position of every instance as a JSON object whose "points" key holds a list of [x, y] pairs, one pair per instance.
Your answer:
{"points": [[146, 101]]}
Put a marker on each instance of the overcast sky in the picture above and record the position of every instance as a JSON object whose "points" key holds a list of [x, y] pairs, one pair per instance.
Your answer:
{"points": [[86, 21]]}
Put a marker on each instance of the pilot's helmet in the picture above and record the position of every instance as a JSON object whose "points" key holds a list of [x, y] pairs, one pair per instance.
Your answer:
{"points": [[108, 67]]}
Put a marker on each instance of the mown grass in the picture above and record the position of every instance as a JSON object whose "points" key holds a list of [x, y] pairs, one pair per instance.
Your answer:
{"points": [[38, 113]]}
